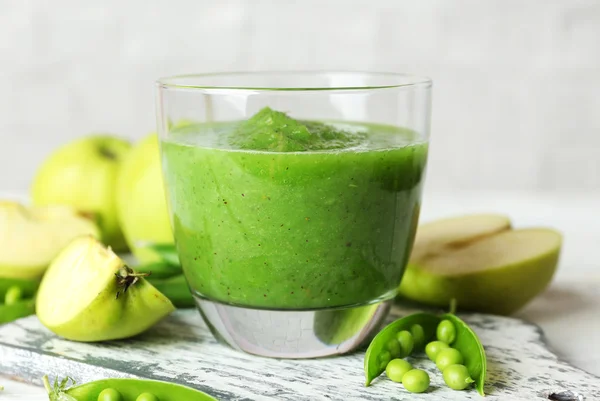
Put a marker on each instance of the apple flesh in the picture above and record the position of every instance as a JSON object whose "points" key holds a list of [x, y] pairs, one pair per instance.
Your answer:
{"points": [[141, 200], [82, 297], [30, 237], [481, 262], [83, 174]]}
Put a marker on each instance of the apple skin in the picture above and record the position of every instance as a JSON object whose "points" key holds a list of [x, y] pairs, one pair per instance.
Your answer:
{"points": [[500, 291], [83, 174], [98, 314], [141, 199]]}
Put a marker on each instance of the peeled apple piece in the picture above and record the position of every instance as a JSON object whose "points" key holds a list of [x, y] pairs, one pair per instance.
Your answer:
{"points": [[89, 294], [30, 237]]}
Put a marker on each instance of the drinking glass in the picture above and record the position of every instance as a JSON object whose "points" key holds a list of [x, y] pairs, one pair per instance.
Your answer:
{"points": [[294, 199]]}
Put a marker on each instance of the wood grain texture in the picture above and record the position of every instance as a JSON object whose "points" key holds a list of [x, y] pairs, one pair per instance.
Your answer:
{"points": [[181, 349]]}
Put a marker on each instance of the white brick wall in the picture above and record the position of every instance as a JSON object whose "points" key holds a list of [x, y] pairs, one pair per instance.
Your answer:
{"points": [[516, 83]]}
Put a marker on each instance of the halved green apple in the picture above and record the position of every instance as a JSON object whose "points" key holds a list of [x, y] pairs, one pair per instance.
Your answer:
{"points": [[30, 237], [89, 294], [481, 262]]}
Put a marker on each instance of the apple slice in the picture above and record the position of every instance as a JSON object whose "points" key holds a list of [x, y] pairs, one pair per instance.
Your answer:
{"points": [[454, 232], [31, 237], [480, 262], [89, 294]]}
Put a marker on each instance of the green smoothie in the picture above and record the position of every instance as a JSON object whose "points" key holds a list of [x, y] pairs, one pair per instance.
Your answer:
{"points": [[278, 213]]}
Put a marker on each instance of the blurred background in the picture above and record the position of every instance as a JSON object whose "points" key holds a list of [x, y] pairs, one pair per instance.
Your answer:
{"points": [[516, 84]]}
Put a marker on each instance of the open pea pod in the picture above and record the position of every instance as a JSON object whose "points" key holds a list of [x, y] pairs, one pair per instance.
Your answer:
{"points": [[471, 349], [167, 253], [128, 389], [159, 270], [28, 287], [17, 310], [466, 342], [175, 288], [374, 365]]}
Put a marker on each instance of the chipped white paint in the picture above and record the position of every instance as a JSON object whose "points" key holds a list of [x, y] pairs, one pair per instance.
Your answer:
{"points": [[181, 349]]}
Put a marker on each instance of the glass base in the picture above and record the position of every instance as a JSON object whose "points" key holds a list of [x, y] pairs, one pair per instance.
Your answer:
{"points": [[293, 334]]}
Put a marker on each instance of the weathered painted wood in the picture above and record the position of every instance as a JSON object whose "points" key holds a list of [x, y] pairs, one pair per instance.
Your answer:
{"points": [[182, 350]]}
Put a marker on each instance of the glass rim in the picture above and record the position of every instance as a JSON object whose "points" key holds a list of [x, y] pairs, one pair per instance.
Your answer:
{"points": [[403, 80]]}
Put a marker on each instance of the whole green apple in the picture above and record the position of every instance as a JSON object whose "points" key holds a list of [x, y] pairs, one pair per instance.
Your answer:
{"points": [[83, 174], [141, 200]]}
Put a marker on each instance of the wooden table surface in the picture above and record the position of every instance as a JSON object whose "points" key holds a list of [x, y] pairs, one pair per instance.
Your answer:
{"points": [[568, 312]]}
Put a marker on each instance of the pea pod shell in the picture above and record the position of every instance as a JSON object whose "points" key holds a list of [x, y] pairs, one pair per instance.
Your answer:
{"points": [[471, 349], [176, 289], [15, 311], [378, 345], [167, 253], [29, 287], [159, 270], [130, 389]]}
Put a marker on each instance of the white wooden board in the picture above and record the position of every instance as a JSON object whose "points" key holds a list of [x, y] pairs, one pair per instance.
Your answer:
{"points": [[181, 349]]}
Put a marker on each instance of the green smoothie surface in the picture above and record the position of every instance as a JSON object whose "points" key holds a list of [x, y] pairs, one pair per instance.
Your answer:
{"points": [[271, 130], [275, 212]]}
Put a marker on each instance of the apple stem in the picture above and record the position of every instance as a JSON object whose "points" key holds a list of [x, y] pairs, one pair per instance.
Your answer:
{"points": [[126, 277], [107, 153]]}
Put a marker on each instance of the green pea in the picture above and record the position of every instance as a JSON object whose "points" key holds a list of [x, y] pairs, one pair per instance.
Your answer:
{"points": [[406, 343], [385, 356], [447, 357], [418, 336], [415, 381], [396, 369], [433, 349], [109, 394], [446, 332], [13, 295], [147, 397], [457, 377], [394, 348]]}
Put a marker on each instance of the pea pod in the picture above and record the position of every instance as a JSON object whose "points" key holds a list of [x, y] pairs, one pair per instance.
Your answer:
{"points": [[373, 366], [166, 252], [128, 389], [17, 310], [466, 341], [175, 288], [159, 270], [471, 349], [28, 287]]}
